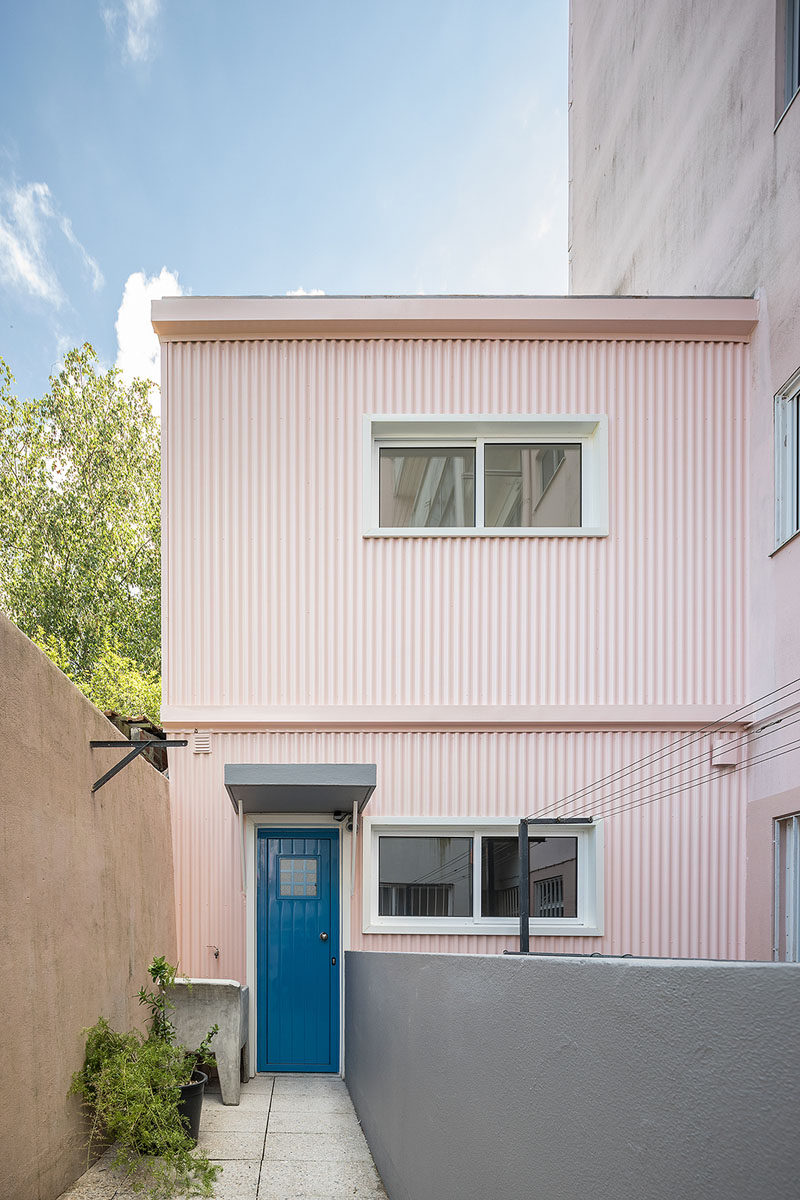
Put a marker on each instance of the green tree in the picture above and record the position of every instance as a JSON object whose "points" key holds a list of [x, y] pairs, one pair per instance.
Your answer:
{"points": [[80, 528]]}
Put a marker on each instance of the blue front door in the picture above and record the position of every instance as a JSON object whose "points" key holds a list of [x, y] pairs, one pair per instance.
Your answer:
{"points": [[298, 950]]}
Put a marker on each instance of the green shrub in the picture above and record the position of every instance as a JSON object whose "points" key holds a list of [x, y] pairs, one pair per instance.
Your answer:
{"points": [[130, 1084]]}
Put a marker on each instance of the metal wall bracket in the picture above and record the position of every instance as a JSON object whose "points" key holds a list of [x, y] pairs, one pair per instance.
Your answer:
{"points": [[524, 870], [137, 749]]}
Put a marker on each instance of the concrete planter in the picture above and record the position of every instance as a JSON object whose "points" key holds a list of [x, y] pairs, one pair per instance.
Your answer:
{"points": [[201, 1003]]}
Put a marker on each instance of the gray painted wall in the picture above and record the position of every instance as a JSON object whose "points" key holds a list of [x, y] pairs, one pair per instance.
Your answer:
{"points": [[632, 1079]]}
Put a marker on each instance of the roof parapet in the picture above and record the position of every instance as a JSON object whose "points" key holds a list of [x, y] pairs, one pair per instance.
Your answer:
{"points": [[670, 318]]}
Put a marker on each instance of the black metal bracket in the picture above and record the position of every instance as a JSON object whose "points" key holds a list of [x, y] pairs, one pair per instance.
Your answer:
{"points": [[138, 747], [560, 820], [524, 888], [524, 871]]}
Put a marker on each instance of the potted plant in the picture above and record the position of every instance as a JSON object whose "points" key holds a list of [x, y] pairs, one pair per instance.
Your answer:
{"points": [[144, 1094]]}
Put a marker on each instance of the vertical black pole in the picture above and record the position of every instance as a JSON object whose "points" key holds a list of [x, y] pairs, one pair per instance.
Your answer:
{"points": [[524, 889]]}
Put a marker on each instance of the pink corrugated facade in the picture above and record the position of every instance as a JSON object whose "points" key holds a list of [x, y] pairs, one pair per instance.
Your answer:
{"points": [[672, 870], [483, 675], [283, 603]]}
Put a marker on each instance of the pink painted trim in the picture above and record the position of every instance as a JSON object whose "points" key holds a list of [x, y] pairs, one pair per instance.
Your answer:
{"points": [[463, 717], [196, 318]]}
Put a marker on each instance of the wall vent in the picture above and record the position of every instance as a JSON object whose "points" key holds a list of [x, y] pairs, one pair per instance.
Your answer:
{"points": [[201, 743]]}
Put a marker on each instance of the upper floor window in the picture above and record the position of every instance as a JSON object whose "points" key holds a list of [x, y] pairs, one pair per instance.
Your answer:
{"points": [[486, 475], [787, 461]]}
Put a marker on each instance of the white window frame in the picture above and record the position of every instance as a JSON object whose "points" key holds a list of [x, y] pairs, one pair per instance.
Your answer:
{"points": [[791, 82], [590, 432], [786, 838], [588, 922], [787, 462]]}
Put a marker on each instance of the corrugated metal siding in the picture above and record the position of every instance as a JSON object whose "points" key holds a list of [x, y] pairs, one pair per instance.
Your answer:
{"points": [[674, 869], [273, 597]]}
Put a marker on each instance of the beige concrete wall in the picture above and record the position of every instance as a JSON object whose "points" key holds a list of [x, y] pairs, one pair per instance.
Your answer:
{"points": [[86, 900], [685, 180]]}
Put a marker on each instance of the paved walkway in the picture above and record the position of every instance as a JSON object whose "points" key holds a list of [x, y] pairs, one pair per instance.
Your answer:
{"points": [[292, 1137]]}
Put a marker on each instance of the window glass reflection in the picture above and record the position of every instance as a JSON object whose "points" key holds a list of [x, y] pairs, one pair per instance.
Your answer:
{"points": [[427, 488], [553, 877], [532, 487], [425, 877]]}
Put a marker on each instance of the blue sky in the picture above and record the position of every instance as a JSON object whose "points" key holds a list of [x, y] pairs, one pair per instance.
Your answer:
{"points": [[258, 148]]}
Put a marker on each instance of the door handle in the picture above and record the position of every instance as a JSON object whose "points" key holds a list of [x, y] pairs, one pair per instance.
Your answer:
{"points": [[323, 937]]}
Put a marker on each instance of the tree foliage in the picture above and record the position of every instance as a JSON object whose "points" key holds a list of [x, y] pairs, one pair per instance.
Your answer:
{"points": [[80, 528]]}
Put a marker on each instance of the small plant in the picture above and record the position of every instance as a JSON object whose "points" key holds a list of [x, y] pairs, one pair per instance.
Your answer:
{"points": [[160, 1003], [131, 1084]]}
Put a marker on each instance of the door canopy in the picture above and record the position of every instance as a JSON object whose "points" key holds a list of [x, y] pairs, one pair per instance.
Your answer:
{"points": [[300, 787]]}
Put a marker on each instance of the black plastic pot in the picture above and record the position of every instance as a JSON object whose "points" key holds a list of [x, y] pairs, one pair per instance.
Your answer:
{"points": [[190, 1104]]}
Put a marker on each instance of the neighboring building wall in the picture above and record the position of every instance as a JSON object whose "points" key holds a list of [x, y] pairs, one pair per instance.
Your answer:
{"points": [[516, 1077], [87, 900], [681, 184], [485, 676]]}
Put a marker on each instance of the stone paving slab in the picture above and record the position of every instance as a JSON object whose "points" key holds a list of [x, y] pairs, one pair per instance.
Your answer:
{"points": [[250, 1101], [298, 1120], [316, 1102], [236, 1118], [293, 1137], [99, 1183], [319, 1181], [238, 1181], [230, 1120], [259, 1083], [308, 1087], [316, 1147], [235, 1146]]}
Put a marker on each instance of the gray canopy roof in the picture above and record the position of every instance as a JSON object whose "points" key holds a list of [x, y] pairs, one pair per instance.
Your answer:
{"points": [[300, 787]]}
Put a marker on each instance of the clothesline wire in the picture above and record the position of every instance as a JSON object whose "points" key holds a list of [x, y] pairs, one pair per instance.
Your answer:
{"points": [[740, 715], [775, 752], [769, 730]]}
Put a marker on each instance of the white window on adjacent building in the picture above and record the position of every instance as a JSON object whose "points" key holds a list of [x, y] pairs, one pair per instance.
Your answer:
{"points": [[787, 461], [520, 476], [787, 889], [462, 876], [792, 79]]}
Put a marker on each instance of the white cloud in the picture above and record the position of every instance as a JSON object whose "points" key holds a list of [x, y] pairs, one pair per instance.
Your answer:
{"points": [[138, 351], [27, 216], [303, 292], [139, 17], [89, 262]]}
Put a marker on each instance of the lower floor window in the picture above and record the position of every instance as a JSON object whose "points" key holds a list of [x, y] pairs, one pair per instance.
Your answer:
{"points": [[425, 876], [552, 877], [418, 875]]}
